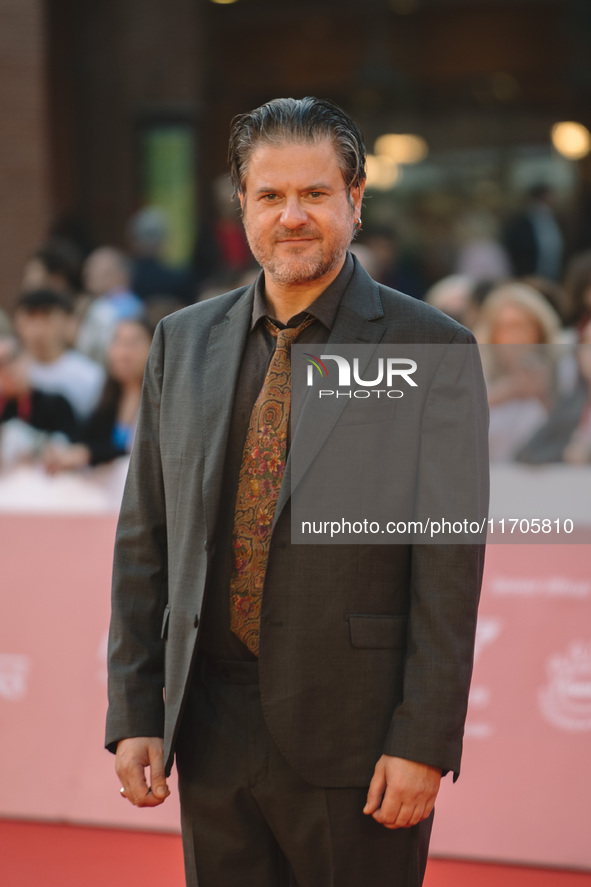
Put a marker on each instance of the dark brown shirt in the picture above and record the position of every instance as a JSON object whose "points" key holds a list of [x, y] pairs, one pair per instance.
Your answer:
{"points": [[216, 638]]}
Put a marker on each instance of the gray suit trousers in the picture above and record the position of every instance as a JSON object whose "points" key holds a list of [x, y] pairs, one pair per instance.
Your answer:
{"points": [[249, 819]]}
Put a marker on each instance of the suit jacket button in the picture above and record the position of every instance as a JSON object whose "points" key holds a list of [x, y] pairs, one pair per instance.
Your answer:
{"points": [[196, 620]]}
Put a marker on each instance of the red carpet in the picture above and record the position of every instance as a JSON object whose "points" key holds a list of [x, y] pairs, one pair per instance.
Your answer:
{"points": [[48, 855]]}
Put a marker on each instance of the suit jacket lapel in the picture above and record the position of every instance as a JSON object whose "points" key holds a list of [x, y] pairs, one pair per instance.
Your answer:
{"points": [[220, 374], [358, 321]]}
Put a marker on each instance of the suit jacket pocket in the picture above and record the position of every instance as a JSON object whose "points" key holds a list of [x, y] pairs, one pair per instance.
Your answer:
{"points": [[378, 632]]}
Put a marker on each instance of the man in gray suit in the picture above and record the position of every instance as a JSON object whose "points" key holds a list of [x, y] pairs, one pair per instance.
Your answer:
{"points": [[310, 750]]}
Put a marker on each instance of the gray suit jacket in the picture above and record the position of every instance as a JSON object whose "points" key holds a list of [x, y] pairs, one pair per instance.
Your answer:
{"points": [[364, 649]]}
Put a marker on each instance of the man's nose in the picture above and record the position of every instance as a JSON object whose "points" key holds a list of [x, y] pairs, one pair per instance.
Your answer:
{"points": [[293, 214]]}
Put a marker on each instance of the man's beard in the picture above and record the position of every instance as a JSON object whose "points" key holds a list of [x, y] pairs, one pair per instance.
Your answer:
{"points": [[297, 268]]}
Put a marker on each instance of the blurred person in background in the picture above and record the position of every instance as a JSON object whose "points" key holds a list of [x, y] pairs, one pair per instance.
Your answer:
{"points": [[221, 256], [107, 277], [566, 436], [72, 229], [517, 314], [478, 293], [481, 255], [515, 319], [56, 265], [577, 285], [555, 294], [533, 238], [43, 320], [452, 296], [109, 432], [151, 277], [393, 266], [576, 308], [28, 416]]}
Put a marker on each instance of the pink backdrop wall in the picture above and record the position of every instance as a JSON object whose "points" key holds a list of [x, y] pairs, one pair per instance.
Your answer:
{"points": [[53, 694], [526, 781], [525, 786]]}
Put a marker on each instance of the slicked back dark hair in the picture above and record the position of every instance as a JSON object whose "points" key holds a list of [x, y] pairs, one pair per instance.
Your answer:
{"points": [[297, 120]]}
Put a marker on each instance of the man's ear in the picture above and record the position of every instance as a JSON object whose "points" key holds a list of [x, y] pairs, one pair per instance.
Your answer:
{"points": [[357, 196], [241, 198]]}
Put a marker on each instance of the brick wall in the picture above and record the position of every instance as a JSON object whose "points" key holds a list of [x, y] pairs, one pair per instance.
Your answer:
{"points": [[23, 155], [135, 61]]}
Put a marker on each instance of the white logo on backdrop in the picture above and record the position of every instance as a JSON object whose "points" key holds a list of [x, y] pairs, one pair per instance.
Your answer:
{"points": [[487, 631], [566, 699], [540, 586], [14, 671]]}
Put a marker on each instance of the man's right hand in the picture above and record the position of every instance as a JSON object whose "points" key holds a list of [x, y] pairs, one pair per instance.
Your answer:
{"points": [[133, 756]]}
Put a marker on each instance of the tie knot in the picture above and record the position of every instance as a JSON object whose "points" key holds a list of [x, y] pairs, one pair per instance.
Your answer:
{"points": [[286, 336]]}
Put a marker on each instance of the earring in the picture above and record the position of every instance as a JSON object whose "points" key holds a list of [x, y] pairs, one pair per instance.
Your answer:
{"points": [[358, 224]]}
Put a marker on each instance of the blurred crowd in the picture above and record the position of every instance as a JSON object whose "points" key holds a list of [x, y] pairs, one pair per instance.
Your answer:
{"points": [[73, 354], [529, 308], [73, 351]]}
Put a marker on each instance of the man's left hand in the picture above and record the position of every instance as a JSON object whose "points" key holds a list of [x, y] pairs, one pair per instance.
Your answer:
{"points": [[402, 793]]}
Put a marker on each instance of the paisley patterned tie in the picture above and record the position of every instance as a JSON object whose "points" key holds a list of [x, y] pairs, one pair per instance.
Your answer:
{"points": [[259, 481]]}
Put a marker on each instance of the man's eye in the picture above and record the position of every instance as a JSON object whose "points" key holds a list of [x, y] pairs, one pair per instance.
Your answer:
{"points": [[316, 194], [269, 198]]}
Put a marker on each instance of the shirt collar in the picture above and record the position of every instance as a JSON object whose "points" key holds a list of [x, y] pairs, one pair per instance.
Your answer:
{"points": [[323, 308]]}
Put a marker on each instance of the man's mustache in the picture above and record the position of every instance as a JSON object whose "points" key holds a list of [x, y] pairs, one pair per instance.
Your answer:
{"points": [[301, 233]]}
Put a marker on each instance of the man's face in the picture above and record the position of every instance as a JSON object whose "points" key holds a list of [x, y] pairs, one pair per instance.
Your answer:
{"points": [[102, 273], [298, 215], [44, 333]]}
